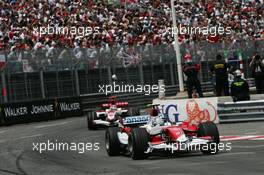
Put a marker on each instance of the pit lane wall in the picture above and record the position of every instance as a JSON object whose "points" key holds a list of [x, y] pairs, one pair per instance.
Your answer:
{"points": [[40, 110], [195, 110]]}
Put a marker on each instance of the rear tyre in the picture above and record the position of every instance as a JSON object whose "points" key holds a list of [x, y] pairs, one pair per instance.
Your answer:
{"points": [[91, 116], [138, 143], [209, 129], [112, 143]]}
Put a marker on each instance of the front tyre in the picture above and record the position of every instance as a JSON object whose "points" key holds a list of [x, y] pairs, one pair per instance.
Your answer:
{"points": [[91, 116], [138, 143], [209, 129], [112, 143]]}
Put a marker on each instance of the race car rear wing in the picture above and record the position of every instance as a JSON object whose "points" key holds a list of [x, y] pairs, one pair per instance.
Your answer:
{"points": [[118, 105]]}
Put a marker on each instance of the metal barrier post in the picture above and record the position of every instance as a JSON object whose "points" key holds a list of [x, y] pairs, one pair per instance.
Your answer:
{"points": [[58, 83], [26, 85], [172, 74], [177, 47], [77, 85], [201, 73], [151, 65], [42, 87], [87, 82], [4, 90], [164, 69], [109, 75], [141, 76]]}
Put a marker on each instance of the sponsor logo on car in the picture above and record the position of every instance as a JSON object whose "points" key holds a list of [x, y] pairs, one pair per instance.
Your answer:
{"points": [[136, 120]]}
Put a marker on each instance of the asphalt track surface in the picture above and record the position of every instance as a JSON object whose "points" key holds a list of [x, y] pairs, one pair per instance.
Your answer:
{"points": [[17, 156]]}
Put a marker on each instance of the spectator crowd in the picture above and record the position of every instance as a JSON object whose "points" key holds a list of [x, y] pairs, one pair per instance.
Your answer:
{"points": [[121, 23]]}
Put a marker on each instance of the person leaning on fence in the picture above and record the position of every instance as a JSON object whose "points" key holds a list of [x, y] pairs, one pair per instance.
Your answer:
{"points": [[191, 70], [257, 66], [239, 88], [220, 70]]}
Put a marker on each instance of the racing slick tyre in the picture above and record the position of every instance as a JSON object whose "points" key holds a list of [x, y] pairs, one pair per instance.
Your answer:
{"points": [[138, 143], [112, 143], [91, 116], [209, 129]]}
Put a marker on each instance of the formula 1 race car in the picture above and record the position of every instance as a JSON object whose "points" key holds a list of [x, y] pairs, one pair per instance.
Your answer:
{"points": [[109, 114], [159, 134]]}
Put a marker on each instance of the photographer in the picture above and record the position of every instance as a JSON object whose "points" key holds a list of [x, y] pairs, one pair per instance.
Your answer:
{"points": [[257, 65]]}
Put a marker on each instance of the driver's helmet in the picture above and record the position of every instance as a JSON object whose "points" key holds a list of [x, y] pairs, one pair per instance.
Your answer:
{"points": [[113, 107], [160, 120]]}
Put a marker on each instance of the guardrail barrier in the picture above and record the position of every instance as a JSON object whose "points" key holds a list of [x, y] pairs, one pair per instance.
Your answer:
{"points": [[241, 111]]}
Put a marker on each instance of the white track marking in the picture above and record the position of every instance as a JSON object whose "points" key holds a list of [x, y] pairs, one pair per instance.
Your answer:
{"points": [[148, 162], [237, 138], [203, 163], [30, 136], [3, 131], [50, 125], [153, 168], [251, 133], [242, 138]]}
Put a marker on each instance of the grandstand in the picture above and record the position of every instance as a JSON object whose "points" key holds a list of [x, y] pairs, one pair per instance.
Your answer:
{"points": [[119, 23], [110, 34]]}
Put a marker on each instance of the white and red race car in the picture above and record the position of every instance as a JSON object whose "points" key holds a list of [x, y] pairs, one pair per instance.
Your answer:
{"points": [[159, 134], [108, 115]]}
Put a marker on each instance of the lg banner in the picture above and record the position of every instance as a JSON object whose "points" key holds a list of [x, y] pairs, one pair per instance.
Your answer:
{"points": [[194, 110]]}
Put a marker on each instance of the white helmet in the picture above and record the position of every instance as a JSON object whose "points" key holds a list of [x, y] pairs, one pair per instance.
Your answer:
{"points": [[114, 77], [160, 120], [238, 73]]}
